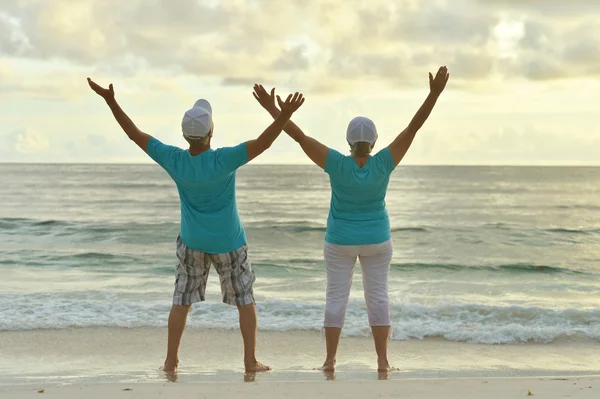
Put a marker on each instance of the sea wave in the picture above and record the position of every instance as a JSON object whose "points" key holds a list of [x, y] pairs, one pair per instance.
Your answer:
{"points": [[470, 323], [506, 268]]}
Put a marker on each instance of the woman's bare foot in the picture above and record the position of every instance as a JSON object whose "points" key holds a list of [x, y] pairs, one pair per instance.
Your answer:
{"points": [[383, 366], [256, 367]]}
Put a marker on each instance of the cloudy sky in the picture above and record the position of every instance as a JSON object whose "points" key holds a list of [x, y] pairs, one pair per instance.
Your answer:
{"points": [[524, 89]]}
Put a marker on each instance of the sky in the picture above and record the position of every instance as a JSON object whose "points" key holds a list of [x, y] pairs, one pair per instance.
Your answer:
{"points": [[524, 86]]}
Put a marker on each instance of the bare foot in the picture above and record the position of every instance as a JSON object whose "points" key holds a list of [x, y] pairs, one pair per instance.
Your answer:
{"points": [[171, 376], [257, 367], [328, 366], [383, 366], [170, 366]]}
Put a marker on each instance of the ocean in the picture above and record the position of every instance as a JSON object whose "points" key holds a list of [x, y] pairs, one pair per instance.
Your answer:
{"points": [[482, 255]]}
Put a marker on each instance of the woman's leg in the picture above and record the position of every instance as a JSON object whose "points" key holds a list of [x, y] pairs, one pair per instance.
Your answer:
{"points": [[375, 261], [340, 261]]}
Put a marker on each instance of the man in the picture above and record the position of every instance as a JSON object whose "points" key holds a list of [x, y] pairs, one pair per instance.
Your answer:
{"points": [[211, 231]]}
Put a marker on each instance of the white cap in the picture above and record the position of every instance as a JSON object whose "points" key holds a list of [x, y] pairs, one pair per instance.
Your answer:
{"points": [[361, 129], [197, 122]]}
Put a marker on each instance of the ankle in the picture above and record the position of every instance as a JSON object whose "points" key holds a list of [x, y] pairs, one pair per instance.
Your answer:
{"points": [[250, 361], [174, 361]]}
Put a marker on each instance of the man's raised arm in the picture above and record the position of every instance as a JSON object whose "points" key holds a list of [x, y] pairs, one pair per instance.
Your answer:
{"points": [[316, 151], [132, 131], [264, 141]]}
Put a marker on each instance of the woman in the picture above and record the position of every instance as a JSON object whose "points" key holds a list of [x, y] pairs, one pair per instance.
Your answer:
{"points": [[358, 225]]}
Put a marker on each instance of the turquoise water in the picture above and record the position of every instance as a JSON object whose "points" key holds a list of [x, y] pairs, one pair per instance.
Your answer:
{"points": [[482, 254]]}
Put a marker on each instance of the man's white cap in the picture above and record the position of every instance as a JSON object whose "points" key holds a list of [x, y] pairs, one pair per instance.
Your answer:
{"points": [[361, 129], [197, 121]]}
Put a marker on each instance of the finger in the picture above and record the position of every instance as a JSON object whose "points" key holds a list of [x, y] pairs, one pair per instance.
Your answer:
{"points": [[255, 96], [430, 77], [287, 100], [273, 92], [110, 87]]}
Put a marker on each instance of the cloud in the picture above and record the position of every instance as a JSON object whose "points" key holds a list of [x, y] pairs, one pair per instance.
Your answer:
{"points": [[31, 142], [309, 42], [49, 84]]}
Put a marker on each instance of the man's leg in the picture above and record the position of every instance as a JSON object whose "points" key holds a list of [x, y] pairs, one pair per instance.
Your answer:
{"points": [[237, 279], [177, 319], [248, 327], [190, 285]]}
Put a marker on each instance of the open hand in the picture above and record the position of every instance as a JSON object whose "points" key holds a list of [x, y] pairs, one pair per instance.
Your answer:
{"points": [[291, 103], [437, 84], [265, 99], [101, 91]]}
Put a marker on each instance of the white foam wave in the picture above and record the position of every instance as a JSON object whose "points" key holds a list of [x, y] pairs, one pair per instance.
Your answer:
{"points": [[473, 323]]}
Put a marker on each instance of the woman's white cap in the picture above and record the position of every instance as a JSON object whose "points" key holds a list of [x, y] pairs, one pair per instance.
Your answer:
{"points": [[361, 129], [197, 121]]}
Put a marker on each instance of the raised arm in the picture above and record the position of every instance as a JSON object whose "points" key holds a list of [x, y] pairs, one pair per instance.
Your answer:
{"points": [[135, 134], [402, 143], [264, 141], [316, 151]]}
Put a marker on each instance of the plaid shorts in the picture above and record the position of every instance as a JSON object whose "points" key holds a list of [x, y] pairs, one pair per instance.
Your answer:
{"points": [[235, 273]]}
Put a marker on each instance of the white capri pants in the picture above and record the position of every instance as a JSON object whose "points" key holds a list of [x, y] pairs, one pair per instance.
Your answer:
{"points": [[375, 261]]}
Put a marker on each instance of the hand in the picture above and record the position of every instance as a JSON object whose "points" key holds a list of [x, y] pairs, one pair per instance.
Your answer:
{"points": [[437, 84], [106, 94], [291, 104], [265, 99]]}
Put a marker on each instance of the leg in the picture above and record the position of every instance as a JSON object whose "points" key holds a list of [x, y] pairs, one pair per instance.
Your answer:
{"points": [[177, 319], [248, 327], [375, 263], [340, 261], [237, 279], [332, 341], [190, 285], [380, 336]]}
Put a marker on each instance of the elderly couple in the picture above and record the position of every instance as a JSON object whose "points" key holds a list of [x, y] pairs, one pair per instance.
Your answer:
{"points": [[212, 233]]}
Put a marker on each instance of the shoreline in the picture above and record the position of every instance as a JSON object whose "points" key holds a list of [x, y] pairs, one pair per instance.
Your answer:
{"points": [[114, 355]]}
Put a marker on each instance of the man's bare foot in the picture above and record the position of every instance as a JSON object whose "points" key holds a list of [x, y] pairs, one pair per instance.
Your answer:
{"points": [[170, 366], [171, 376], [328, 366], [257, 367]]}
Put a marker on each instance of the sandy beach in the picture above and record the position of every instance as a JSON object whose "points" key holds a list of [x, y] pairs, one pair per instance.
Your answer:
{"points": [[497, 388], [104, 361]]}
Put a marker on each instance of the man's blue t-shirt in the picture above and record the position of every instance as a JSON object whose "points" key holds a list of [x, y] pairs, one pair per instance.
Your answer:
{"points": [[357, 215], [206, 183]]}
